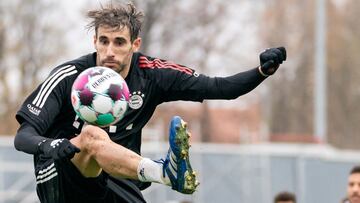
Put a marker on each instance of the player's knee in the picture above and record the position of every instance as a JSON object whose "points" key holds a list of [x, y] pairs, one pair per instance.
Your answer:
{"points": [[92, 138]]}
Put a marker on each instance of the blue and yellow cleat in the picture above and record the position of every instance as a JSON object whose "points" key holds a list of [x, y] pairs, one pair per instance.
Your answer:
{"points": [[177, 164]]}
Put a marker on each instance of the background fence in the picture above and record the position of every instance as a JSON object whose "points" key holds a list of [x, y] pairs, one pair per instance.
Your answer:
{"points": [[228, 173]]}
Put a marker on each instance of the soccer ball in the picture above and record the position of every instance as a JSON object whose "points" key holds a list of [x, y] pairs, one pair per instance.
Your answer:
{"points": [[100, 96]]}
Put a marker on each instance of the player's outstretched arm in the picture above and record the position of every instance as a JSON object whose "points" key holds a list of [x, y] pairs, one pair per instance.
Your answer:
{"points": [[28, 140], [239, 84]]}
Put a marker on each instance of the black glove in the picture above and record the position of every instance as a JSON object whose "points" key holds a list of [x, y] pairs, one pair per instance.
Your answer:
{"points": [[58, 149], [270, 59]]}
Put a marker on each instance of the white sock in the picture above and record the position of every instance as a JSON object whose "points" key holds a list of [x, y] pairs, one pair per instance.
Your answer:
{"points": [[151, 171]]}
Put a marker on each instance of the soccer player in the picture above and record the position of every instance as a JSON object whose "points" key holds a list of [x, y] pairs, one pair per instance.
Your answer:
{"points": [[353, 187], [285, 197], [84, 163]]}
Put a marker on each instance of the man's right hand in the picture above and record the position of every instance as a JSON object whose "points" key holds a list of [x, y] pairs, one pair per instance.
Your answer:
{"points": [[58, 149]]}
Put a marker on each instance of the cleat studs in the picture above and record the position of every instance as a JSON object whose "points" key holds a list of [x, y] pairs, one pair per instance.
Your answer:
{"points": [[183, 152], [183, 124]]}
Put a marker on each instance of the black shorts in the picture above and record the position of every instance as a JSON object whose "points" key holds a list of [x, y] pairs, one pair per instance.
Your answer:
{"points": [[61, 182]]}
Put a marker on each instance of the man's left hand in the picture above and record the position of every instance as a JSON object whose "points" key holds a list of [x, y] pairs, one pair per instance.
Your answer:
{"points": [[270, 60]]}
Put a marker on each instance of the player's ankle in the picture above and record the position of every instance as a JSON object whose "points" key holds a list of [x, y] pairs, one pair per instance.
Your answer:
{"points": [[151, 171]]}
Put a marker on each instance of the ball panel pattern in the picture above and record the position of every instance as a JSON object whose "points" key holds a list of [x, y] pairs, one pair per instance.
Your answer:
{"points": [[86, 97], [119, 108], [81, 82], [104, 119], [102, 104], [75, 100], [100, 96], [88, 114], [114, 92]]}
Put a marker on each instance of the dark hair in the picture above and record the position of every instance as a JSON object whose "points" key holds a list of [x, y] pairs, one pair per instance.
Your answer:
{"points": [[356, 169], [117, 17], [285, 196]]}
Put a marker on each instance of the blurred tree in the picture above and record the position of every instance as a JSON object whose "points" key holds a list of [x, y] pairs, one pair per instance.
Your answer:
{"points": [[291, 106], [343, 75], [33, 42], [3, 84], [186, 41], [152, 10], [205, 35], [290, 98]]}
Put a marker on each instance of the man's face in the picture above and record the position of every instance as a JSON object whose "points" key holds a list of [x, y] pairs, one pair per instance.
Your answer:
{"points": [[353, 189], [114, 48]]}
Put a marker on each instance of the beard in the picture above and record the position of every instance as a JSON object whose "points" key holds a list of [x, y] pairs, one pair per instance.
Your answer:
{"points": [[354, 198], [113, 64], [117, 65]]}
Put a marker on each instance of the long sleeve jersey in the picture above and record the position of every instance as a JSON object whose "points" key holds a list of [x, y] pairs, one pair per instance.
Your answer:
{"points": [[151, 81]]}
